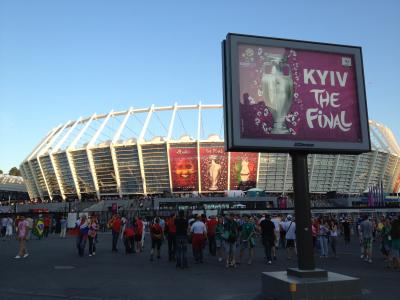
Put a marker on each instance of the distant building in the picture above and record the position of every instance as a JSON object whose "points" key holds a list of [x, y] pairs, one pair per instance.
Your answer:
{"points": [[12, 188]]}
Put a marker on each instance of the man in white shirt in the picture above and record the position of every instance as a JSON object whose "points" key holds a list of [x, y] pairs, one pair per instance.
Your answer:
{"points": [[199, 232], [290, 228]]}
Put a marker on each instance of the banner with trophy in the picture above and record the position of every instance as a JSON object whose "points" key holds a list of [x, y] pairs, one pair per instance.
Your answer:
{"points": [[184, 170], [243, 170], [213, 168], [284, 95]]}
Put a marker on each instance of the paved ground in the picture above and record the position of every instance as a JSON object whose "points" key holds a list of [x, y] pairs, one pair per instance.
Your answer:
{"points": [[55, 271]]}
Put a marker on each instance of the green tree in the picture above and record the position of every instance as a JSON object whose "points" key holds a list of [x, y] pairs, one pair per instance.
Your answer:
{"points": [[1, 171], [14, 171]]}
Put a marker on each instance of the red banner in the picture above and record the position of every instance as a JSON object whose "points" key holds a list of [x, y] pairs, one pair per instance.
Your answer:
{"points": [[243, 170], [214, 169], [183, 163]]}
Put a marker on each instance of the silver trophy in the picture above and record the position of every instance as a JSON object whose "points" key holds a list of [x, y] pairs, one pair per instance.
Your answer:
{"points": [[277, 90]]}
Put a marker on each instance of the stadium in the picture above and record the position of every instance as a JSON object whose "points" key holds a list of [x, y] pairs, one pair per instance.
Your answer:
{"points": [[179, 150]]}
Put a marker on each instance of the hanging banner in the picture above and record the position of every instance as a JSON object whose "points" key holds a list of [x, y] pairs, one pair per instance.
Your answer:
{"points": [[183, 164], [243, 169], [284, 95], [213, 169]]}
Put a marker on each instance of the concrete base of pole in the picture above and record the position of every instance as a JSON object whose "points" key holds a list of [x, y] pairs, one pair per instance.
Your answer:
{"points": [[282, 286]]}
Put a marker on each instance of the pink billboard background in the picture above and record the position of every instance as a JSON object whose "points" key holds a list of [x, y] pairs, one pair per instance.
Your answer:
{"points": [[243, 170], [213, 169], [184, 171], [324, 103]]}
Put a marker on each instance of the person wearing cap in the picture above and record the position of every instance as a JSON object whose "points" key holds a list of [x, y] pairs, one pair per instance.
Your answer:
{"points": [[289, 226], [199, 233]]}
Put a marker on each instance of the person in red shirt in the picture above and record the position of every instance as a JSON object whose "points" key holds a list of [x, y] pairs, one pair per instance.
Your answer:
{"points": [[157, 235], [211, 228], [138, 235], [115, 224], [46, 223], [171, 234], [129, 234]]}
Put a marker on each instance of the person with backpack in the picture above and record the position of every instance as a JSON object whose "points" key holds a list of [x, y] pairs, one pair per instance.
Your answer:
{"points": [[230, 237], [157, 235], [289, 227]]}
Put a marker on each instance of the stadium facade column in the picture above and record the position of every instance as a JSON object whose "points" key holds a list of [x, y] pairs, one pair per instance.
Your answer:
{"points": [[385, 165], [394, 175], [89, 153], [334, 171], [356, 163], [169, 136], [28, 182], [43, 152], [371, 170], [54, 161], [286, 172], [113, 152], [258, 170], [33, 153], [198, 146], [70, 157], [141, 140]]}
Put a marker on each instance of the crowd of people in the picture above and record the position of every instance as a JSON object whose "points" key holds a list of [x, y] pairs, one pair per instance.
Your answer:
{"points": [[230, 238]]}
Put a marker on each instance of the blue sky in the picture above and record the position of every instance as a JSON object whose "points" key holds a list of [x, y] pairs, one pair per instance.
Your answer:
{"points": [[63, 59]]}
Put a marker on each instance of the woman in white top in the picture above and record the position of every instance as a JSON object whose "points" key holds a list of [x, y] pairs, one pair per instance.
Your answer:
{"points": [[333, 236]]}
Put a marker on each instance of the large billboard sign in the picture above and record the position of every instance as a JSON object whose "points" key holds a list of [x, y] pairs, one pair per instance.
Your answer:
{"points": [[213, 168], [184, 170], [284, 95], [243, 170]]}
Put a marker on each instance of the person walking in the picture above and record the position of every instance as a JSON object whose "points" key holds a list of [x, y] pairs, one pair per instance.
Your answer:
{"points": [[115, 224], [92, 234], [199, 233], [9, 228], [63, 227], [129, 236], [395, 238], [230, 239], [47, 224], [247, 242], [211, 232], [22, 230], [138, 234], [289, 227], [366, 231], [323, 236], [83, 230], [268, 236], [181, 225], [219, 239], [29, 221], [346, 231], [333, 238], [157, 235], [170, 229]]}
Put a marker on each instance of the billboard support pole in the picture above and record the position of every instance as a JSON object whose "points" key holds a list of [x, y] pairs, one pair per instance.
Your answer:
{"points": [[305, 251]]}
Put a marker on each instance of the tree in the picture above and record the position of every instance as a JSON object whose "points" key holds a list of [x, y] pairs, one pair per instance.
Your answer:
{"points": [[14, 171], [1, 171]]}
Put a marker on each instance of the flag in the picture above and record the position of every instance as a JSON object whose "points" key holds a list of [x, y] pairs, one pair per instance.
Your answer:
{"points": [[38, 229]]}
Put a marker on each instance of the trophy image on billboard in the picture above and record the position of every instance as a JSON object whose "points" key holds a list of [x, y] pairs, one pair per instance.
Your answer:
{"points": [[245, 172], [214, 171], [277, 90]]}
